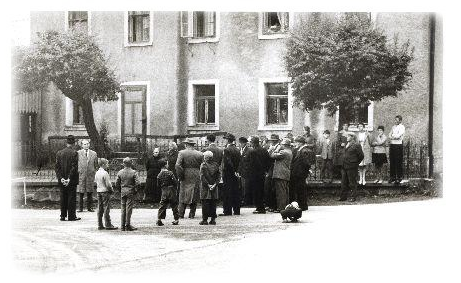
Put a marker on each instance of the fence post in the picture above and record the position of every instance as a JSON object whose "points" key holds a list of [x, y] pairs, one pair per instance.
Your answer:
{"points": [[421, 161], [407, 171]]}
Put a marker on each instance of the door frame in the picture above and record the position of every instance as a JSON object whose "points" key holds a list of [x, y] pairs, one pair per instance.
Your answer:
{"points": [[145, 86]]}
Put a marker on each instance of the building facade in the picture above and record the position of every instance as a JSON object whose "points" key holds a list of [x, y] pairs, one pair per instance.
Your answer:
{"points": [[193, 72]]}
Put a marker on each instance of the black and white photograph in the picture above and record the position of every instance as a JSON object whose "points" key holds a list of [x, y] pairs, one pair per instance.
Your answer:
{"points": [[261, 142]]}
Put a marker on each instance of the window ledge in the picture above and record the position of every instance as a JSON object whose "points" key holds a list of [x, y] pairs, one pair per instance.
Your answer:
{"points": [[77, 127], [275, 128], [203, 128], [138, 44], [273, 36], [203, 39]]}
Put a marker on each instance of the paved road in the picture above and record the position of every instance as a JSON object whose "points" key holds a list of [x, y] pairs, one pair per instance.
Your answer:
{"points": [[385, 239]]}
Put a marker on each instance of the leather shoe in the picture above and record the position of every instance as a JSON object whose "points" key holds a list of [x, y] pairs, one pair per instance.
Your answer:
{"points": [[62, 219], [159, 223], [131, 228], [212, 222], [176, 222], [111, 228], [75, 219], [203, 222], [101, 228], [123, 228]]}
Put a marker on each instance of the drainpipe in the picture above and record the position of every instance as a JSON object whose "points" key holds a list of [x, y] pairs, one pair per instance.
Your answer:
{"points": [[431, 93]]}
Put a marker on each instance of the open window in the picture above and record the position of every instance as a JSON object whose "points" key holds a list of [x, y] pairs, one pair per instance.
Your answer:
{"points": [[77, 21], [274, 25], [199, 26]]}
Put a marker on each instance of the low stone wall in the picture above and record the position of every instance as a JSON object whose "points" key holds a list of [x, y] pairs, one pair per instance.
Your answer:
{"points": [[39, 191]]}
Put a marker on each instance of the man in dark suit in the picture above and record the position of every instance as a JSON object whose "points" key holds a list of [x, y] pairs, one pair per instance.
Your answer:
{"points": [[244, 171], [352, 157], [67, 173], [300, 171], [217, 152], [260, 163], [230, 164]]}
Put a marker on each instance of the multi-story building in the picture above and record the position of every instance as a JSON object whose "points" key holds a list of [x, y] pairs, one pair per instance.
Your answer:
{"points": [[191, 72]]}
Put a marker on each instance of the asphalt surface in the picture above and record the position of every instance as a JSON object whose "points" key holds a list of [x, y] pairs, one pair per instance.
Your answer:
{"points": [[328, 242]]}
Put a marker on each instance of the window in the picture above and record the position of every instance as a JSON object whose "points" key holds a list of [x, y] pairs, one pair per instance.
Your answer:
{"points": [[77, 21], [77, 114], [204, 104], [199, 26], [276, 103], [353, 116], [138, 26], [275, 22]]}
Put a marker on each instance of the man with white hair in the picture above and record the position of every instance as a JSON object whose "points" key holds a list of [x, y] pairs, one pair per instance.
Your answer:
{"points": [[87, 164], [352, 157]]}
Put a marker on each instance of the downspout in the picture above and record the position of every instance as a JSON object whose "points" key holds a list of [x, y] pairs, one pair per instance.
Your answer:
{"points": [[431, 93]]}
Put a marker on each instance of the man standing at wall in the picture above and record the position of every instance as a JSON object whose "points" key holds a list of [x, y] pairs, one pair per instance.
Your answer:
{"points": [[396, 151], [352, 157], [66, 169], [87, 163], [230, 164]]}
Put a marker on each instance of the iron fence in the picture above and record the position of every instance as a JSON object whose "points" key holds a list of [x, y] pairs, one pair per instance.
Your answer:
{"points": [[41, 163]]}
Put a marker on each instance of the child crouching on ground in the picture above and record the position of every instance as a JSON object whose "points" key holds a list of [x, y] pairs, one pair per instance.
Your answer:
{"points": [[167, 182], [104, 190], [127, 183], [209, 179], [292, 212]]}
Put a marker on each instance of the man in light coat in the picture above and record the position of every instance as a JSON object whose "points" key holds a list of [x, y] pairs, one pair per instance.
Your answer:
{"points": [[87, 164], [281, 173]]}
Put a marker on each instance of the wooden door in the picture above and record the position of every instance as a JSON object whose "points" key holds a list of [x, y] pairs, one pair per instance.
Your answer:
{"points": [[134, 119]]}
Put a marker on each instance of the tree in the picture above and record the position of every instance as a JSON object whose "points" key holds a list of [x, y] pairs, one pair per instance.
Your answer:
{"points": [[77, 66], [344, 61]]}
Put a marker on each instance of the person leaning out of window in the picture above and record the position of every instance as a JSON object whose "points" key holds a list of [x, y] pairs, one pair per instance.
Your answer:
{"points": [[379, 156]]}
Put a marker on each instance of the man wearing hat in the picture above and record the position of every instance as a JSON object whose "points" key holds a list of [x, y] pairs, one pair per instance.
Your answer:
{"points": [[259, 161], [299, 172], [67, 173], [230, 193], [352, 157], [188, 171], [269, 193], [244, 171], [127, 183], [281, 173]]}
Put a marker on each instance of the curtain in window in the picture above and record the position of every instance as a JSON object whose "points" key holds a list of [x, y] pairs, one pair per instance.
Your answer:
{"points": [[283, 19]]}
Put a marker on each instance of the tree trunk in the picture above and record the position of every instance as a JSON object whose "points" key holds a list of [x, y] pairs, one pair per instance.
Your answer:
{"points": [[87, 109]]}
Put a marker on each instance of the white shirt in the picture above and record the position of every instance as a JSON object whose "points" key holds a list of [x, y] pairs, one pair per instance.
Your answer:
{"points": [[396, 134]]}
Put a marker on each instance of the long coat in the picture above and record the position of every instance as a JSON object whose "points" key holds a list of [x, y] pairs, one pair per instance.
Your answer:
{"points": [[300, 165], [339, 150], [209, 175], [244, 165], [67, 165], [282, 164], [86, 170], [188, 170], [231, 160], [172, 156]]}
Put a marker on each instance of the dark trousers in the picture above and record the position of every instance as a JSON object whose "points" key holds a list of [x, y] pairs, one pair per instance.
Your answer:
{"points": [[396, 162], [127, 204], [89, 200], [104, 209], [231, 196], [257, 185], [349, 182], [192, 209], [247, 191], [208, 209], [67, 202], [168, 198], [269, 193], [326, 169], [281, 193], [300, 188]]}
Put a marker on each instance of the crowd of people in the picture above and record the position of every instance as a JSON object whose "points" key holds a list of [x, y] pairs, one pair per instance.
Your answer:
{"points": [[270, 174]]}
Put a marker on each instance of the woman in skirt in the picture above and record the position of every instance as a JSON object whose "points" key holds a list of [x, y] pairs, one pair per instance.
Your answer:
{"points": [[363, 138], [379, 154]]}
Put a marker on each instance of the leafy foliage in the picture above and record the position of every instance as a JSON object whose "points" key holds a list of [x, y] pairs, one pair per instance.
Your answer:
{"points": [[73, 62], [344, 61]]}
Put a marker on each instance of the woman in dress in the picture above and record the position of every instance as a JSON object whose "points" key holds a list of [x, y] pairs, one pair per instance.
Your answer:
{"points": [[379, 156], [364, 139]]}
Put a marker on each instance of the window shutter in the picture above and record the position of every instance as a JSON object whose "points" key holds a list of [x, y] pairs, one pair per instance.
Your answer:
{"points": [[210, 24], [186, 24], [130, 28], [146, 28]]}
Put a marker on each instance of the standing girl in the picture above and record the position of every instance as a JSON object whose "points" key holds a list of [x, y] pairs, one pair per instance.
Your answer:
{"points": [[379, 154], [364, 140]]}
